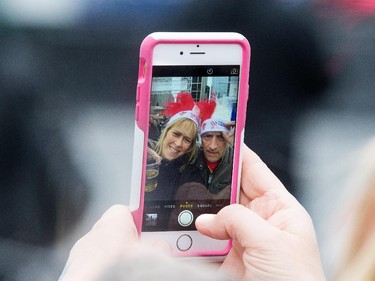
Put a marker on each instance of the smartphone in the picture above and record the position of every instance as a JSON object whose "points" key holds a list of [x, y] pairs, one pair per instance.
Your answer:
{"points": [[189, 124]]}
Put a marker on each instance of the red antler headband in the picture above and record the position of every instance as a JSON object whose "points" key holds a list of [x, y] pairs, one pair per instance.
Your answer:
{"points": [[185, 106]]}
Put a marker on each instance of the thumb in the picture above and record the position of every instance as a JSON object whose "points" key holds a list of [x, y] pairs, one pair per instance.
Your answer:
{"points": [[238, 223], [161, 246]]}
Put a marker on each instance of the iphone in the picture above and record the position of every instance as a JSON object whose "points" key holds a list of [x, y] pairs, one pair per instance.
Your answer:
{"points": [[189, 124]]}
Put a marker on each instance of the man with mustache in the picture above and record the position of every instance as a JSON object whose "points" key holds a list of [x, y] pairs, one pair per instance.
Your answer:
{"points": [[216, 156]]}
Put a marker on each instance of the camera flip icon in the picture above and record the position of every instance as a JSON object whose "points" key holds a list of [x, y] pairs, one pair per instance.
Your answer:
{"points": [[234, 71]]}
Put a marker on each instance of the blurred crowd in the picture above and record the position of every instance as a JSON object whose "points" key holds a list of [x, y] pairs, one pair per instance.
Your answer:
{"points": [[68, 75]]}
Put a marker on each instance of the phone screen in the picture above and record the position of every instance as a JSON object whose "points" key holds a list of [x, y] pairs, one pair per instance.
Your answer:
{"points": [[192, 118]]}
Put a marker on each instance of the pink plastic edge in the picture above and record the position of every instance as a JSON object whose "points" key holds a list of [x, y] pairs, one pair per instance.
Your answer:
{"points": [[143, 91], [143, 111]]}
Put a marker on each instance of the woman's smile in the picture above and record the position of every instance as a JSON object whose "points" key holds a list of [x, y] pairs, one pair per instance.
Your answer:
{"points": [[175, 144]]}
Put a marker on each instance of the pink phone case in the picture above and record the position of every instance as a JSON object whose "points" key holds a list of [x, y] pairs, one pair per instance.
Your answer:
{"points": [[141, 117]]}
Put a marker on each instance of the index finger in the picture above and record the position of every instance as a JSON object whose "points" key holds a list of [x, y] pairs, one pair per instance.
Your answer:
{"points": [[256, 178]]}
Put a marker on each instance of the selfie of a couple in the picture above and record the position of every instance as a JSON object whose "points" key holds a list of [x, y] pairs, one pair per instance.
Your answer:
{"points": [[194, 155]]}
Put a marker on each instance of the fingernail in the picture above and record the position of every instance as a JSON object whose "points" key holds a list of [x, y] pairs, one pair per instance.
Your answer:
{"points": [[204, 219]]}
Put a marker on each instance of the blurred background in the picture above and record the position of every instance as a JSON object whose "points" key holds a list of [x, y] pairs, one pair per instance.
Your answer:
{"points": [[68, 74]]}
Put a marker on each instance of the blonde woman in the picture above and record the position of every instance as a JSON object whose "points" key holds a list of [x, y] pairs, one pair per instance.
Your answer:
{"points": [[177, 148]]}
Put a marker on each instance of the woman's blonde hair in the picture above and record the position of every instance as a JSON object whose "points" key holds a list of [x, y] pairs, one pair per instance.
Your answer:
{"points": [[185, 125]]}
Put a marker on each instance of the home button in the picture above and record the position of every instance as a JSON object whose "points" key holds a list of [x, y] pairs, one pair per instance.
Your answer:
{"points": [[184, 242]]}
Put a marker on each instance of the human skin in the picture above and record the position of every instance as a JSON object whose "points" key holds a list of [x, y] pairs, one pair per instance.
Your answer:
{"points": [[176, 143], [273, 235], [214, 146], [113, 238]]}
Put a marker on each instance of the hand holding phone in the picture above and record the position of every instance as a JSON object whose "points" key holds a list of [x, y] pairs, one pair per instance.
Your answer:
{"points": [[270, 229], [190, 86]]}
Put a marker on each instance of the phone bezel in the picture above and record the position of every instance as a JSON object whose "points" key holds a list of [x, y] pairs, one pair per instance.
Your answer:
{"points": [[197, 50]]}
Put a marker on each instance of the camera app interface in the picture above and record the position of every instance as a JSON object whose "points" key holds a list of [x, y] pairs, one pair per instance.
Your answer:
{"points": [[190, 144]]}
